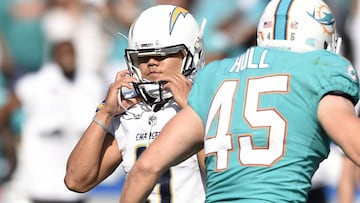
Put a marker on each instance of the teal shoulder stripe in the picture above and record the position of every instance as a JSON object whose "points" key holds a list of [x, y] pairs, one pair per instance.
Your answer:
{"points": [[281, 19]]}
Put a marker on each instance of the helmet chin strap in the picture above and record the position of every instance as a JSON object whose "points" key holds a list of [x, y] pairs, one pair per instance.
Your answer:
{"points": [[135, 115]]}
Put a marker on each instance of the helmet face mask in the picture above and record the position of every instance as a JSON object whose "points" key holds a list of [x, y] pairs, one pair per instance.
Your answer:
{"points": [[152, 92], [297, 25], [161, 31]]}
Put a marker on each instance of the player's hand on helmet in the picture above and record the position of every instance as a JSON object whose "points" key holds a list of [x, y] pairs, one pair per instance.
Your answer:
{"points": [[179, 86], [111, 102]]}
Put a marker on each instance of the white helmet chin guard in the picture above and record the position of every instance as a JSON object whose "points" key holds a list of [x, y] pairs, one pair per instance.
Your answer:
{"points": [[298, 25], [159, 31]]}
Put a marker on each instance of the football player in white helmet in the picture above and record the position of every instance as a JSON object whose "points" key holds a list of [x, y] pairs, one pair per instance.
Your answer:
{"points": [[165, 50], [267, 117], [180, 35]]}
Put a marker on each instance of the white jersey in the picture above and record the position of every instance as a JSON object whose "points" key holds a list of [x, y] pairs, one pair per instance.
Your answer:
{"points": [[183, 182], [57, 112]]}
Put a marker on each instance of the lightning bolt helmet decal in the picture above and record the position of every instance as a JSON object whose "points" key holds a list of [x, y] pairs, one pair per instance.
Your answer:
{"points": [[175, 15]]}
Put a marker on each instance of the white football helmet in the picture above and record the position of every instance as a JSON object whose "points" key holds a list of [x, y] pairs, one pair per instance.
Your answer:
{"points": [[298, 25], [159, 31]]}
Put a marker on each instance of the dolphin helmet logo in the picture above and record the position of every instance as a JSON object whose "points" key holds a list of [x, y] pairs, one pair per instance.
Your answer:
{"points": [[175, 14], [323, 15]]}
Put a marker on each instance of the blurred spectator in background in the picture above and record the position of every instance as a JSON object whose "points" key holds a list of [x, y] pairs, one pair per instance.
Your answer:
{"points": [[20, 25], [241, 26], [216, 43], [89, 38], [353, 28], [7, 140], [8, 156], [57, 102], [231, 26]]}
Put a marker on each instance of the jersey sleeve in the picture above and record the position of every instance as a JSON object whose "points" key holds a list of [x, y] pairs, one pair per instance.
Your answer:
{"points": [[339, 77]]}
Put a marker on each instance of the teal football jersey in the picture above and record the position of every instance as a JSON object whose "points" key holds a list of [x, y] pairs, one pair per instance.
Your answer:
{"points": [[263, 141]]}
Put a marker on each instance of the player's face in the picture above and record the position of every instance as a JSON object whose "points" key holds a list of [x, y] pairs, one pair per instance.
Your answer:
{"points": [[154, 68]]}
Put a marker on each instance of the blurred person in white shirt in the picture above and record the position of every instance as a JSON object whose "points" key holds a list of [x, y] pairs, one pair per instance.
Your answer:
{"points": [[57, 102]]}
